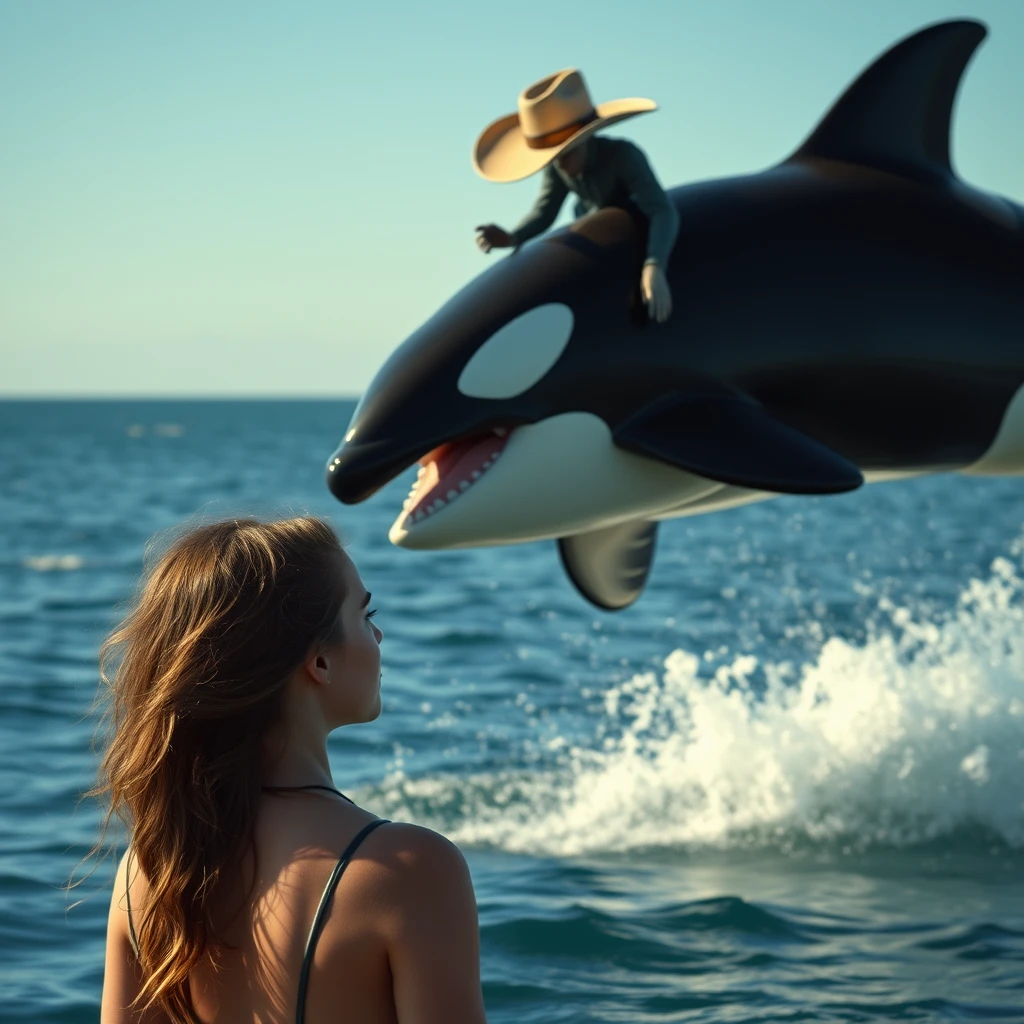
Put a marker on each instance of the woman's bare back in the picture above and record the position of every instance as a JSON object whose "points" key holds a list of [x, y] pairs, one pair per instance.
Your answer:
{"points": [[397, 934], [299, 838]]}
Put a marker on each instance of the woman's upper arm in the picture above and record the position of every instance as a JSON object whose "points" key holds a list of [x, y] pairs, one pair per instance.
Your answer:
{"points": [[121, 981], [434, 935]]}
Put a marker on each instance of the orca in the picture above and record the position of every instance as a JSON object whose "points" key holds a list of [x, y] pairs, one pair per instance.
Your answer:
{"points": [[854, 313]]}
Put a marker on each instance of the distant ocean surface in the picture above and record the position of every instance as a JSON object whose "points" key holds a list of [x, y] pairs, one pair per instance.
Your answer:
{"points": [[787, 785]]}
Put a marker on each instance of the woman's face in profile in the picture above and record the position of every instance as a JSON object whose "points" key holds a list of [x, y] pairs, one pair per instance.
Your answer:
{"points": [[355, 658]]}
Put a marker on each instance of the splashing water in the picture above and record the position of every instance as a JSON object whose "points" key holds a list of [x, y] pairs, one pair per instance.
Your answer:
{"points": [[914, 735]]}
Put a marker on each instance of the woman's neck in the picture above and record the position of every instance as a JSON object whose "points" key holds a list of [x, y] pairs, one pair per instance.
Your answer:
{"points": [[299, 765]]}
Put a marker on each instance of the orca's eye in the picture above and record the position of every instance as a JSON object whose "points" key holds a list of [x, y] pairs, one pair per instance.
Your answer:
{"points": [[517, 356]]}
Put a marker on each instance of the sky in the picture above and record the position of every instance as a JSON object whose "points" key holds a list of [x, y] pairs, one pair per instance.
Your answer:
{"points": [[247, 199]]}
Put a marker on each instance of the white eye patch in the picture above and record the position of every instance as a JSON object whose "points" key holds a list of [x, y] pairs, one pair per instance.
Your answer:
{"points": [[520, 354]]}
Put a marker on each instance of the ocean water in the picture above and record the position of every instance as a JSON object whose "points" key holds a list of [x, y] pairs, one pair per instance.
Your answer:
{"points": [[787, 785]]}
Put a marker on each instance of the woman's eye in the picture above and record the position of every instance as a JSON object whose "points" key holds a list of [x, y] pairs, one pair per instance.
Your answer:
{"points": [[370, 614]]}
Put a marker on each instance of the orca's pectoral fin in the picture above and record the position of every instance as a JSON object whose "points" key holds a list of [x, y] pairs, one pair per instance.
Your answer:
{"points": [[730, 438], [609, 567]]}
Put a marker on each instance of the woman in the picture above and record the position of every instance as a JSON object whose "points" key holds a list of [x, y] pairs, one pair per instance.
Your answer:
{"points": [[252, 889]]}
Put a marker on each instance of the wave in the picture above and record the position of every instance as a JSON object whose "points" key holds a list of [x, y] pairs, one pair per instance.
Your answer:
{"points": [[910, 737]]}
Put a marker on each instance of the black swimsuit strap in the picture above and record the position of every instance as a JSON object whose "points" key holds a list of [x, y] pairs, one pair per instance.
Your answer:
{"points": [[290, 789], [128, 901], [321, 914]]}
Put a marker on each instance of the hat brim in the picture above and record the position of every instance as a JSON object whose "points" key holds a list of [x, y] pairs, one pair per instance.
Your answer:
{"points": [[502, 154]]}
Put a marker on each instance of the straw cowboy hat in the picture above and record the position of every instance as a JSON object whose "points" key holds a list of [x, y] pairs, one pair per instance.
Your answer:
{"points": [[554, 114]]}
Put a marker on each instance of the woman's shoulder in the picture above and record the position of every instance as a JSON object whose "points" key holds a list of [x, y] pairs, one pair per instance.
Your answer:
{"points": [[407, 853], [414, 895], [386, 858], [416, 889], [406, 872]]}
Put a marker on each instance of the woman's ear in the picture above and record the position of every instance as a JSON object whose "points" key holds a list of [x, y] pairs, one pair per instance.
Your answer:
{"points": [[318, 668]]}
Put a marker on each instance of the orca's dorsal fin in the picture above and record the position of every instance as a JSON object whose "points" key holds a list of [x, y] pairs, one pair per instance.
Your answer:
{"points": [[897, 115]]}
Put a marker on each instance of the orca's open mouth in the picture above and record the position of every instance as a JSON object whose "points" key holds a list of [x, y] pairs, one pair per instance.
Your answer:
{"points": [[450, 470]]}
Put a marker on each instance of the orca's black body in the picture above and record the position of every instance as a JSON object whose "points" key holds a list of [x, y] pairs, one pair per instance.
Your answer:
{"points": [[855, 310]]}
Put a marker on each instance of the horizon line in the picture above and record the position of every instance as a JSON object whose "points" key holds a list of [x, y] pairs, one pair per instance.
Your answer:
{"points": [[172, 397]]}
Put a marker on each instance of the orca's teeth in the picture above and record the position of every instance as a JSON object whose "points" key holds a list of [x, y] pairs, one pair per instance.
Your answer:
{"points": [[419, 491]]}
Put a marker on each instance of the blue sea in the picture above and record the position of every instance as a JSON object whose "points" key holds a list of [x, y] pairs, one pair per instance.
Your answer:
{"points": [[786, 785]]}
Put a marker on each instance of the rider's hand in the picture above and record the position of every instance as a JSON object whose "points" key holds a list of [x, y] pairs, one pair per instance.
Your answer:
{"points": [[655, 290], [490, 236]]}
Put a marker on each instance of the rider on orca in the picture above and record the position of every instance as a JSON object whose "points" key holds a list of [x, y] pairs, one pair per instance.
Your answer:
{"points": [[553, 131]]}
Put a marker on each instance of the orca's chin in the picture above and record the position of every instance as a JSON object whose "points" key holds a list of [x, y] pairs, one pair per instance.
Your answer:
{"points": [[448, 471]]}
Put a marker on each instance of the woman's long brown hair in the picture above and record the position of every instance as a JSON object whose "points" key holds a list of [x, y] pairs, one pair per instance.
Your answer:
{"points": [[196, 675]]}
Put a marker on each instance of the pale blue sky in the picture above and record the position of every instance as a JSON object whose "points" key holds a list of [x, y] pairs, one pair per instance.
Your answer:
{"points": [[266, 198]]}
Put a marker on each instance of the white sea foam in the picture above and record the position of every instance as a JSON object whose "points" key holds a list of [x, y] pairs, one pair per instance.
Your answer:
{"points": [[914, 735], [160, 429], [51, 563]]}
